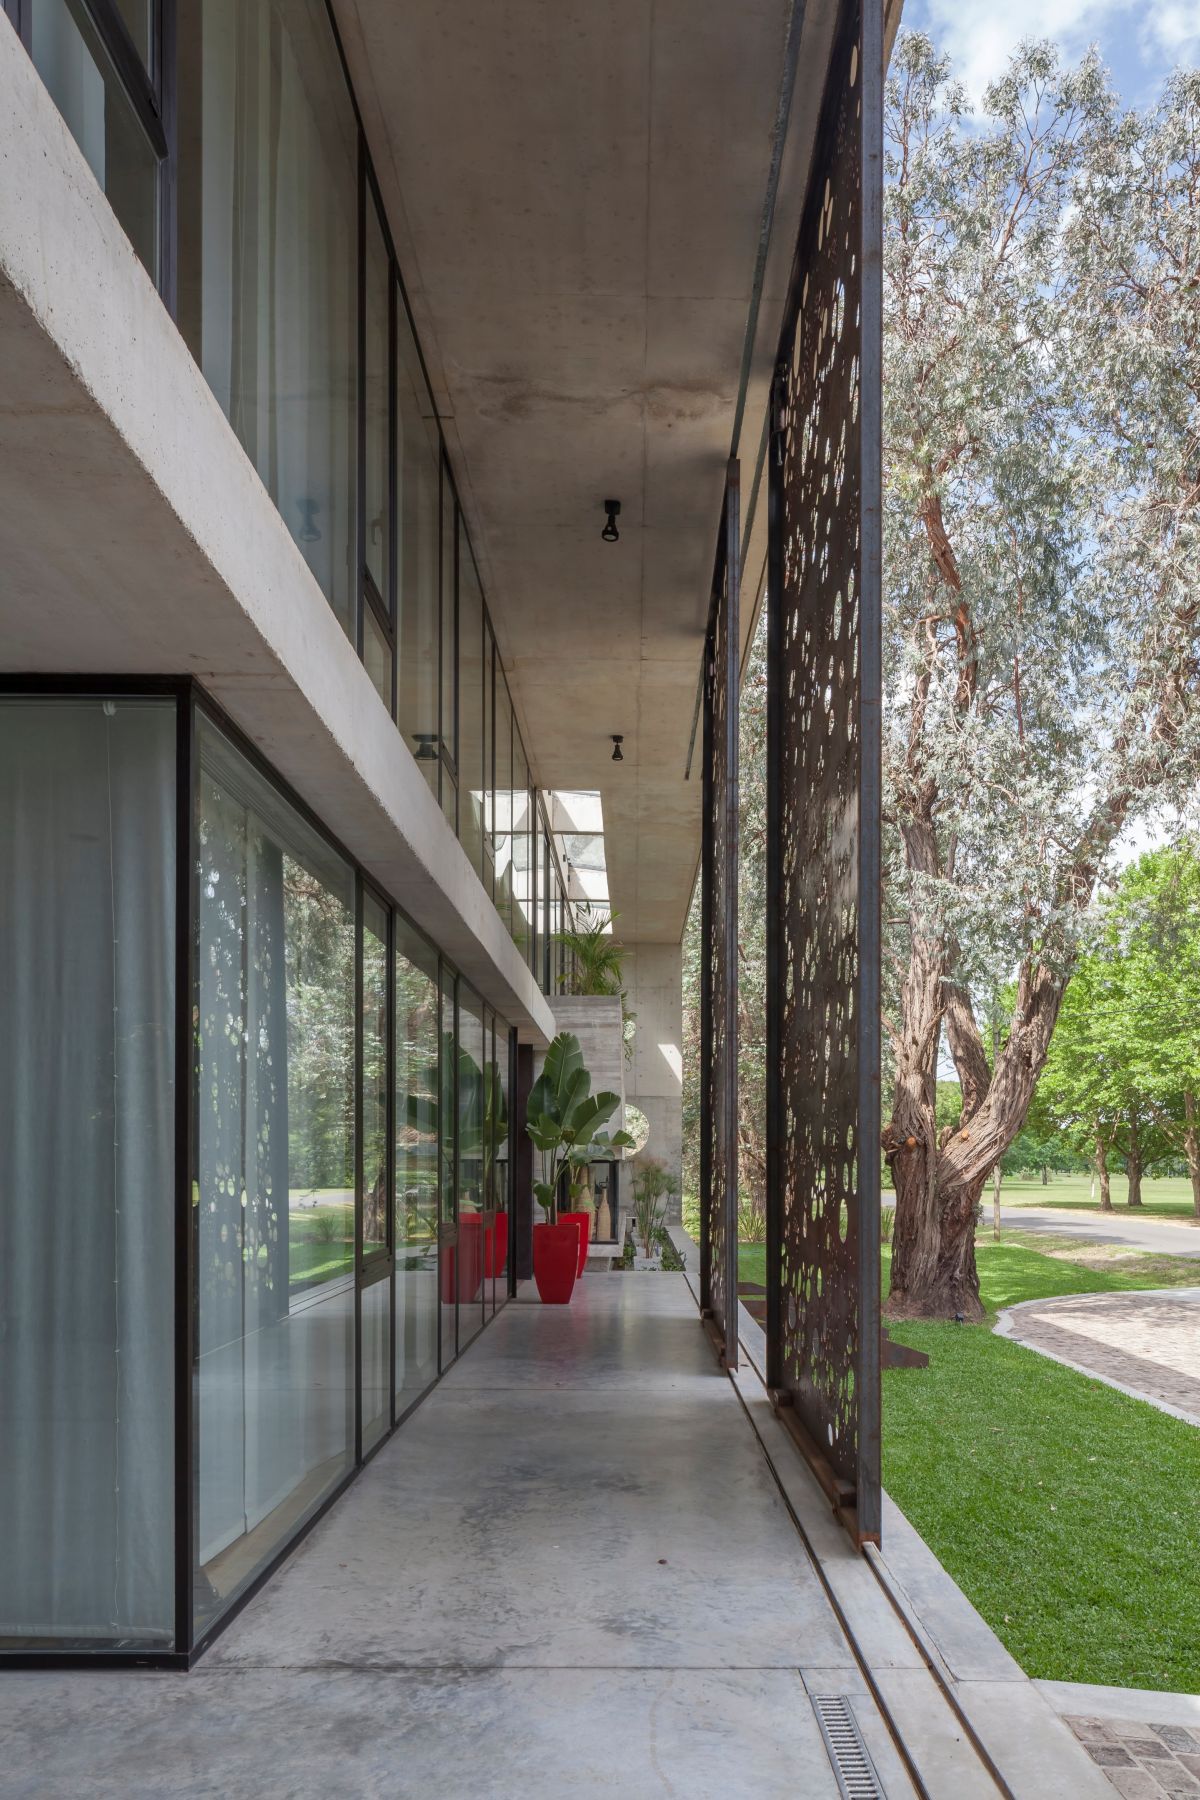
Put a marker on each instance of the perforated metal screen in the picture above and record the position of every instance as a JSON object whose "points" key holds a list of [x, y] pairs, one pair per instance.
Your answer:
{"points": [[823, 799]]}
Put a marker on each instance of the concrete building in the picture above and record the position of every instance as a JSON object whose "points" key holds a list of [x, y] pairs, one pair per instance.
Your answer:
{"points": [[405, 412]]}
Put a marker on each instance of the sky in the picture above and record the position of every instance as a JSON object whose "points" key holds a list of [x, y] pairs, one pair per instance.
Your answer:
{"points": [[1140, 40]]}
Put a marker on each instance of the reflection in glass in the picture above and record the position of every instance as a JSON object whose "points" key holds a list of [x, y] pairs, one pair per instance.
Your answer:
{"points": [[418, 462], [87, 965], [504, 807], [376, 1304], [522, 907], [268, 279], [374, 1075], [447, 1187], [416, 1166], [84, 86], [375, 387], [499, 1171], [274, 1251], [449, 652], [377, 656], [474, 1090], [470, 705]]}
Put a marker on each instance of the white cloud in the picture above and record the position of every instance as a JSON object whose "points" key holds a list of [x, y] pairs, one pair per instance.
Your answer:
{"points": [[979, 42], [1172, 27]]}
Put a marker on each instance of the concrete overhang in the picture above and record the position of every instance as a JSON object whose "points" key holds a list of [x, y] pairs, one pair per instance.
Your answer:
{"points": [[577, 196], [136, 537]]}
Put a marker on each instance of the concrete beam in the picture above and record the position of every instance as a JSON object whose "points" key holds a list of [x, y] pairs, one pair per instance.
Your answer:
{"points": [[136, 537]]}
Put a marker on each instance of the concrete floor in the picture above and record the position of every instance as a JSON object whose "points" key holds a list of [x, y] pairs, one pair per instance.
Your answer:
{"points": [[571, 1572]]}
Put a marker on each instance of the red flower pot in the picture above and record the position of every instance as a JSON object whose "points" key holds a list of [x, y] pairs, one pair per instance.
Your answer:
{"points": [[555, 1261], [584, 1221], [495, 1248], [470, 1255]]}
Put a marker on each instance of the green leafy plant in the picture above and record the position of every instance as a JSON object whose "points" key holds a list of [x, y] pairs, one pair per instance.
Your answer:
{"points": [[653, 1186], [598, 957], [565, 1120]]}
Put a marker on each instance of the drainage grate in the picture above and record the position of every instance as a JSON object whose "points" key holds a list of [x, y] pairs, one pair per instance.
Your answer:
{"points": [[855, 1772]]}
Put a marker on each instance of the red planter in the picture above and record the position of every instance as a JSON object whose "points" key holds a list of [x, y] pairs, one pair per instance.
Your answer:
{"points": [[555, 1261], [584, 1221], [495, 1250]]}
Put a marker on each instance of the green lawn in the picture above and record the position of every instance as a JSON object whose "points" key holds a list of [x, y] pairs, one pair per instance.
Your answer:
{"points": [[320, 1243], [1165, 1199], [1068, 1513]]}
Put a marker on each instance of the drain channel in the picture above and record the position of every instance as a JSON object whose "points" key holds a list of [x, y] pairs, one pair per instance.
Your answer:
{"points": [[848, 1756]]}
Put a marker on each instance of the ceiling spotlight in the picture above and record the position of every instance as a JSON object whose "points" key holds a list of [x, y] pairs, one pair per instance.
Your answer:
{"points": [[617, 742], [610, 534]]}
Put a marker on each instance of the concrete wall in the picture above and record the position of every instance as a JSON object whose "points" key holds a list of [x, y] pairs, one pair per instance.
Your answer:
{"points": [[136, 537], [654, 1081]]}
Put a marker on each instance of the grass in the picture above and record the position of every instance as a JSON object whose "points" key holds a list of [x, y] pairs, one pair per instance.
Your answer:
{"points": [[1164, 1199], [1067, 1512], [320, 1243]]}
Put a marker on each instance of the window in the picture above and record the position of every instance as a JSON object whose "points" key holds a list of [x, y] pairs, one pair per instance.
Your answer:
{"points": [[418, 600], [87, 1083], [474, 1123], [377, 485], [275, 1179], [416, 988], [504, 802], [449, 651], [268, 263], [118, 129], [471, 711]]}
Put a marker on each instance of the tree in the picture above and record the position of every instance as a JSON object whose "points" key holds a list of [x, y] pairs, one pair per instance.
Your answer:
{"points": [[1155, 920], [1092, 1087], [1042, 543]]}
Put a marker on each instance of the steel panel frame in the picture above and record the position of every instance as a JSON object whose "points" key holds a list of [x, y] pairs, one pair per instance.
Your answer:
{"points": [[823, 799], [718, 928]]}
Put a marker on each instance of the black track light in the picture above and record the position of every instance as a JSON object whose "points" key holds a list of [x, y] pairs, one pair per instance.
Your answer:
{"points": [[610, 534], [617, 742]]}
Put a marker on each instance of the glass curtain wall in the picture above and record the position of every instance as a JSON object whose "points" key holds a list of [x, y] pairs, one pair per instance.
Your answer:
{"points": [[499, 1185], [504, 805], [268, 262], [475, 1104], [275, 1172], [448, 740], [418, 526], [87, 1092], [375, 1303], [377, 623], [522, 858], [447, 1173], [472, 714], [417, 1153]]}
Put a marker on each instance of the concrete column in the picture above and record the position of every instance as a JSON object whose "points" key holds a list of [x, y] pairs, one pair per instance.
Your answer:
{"points": [[654, 1079]]}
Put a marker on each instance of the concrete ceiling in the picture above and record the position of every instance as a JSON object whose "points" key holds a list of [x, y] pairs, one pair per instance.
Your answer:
{"points": [[576, 191]]}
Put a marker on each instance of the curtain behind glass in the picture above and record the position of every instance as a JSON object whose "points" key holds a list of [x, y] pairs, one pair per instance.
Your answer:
{"points": [[87, 948], [268, 209]]}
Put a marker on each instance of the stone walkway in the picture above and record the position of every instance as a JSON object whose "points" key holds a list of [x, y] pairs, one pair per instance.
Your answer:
{"points": [[1146, 1344], [1143, 1761]]}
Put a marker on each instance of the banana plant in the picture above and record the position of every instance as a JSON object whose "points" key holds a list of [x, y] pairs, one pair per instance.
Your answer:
{"points": [[564, 1119]]}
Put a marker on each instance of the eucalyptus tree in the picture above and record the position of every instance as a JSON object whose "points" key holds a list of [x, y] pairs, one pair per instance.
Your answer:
{"points": [[1041, 508]]}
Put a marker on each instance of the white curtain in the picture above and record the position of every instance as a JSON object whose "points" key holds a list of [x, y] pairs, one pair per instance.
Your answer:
{"points": [[87, 945]]}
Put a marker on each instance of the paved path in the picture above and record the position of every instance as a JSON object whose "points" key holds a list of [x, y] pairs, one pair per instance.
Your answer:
{"points": [[1146, 1344], [1118, 1227]]}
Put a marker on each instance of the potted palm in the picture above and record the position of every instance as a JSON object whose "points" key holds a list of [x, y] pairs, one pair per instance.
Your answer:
{"points": [[653, 1185], [564, 1124]]}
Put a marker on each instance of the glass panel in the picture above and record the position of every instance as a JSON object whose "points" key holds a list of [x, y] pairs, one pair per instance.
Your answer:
{"points": [[470, 704], [376, 1303], [87, 92], [489, 758], [87, 995], [472, 1170], [268, 266], [138, 19], [449, 655], [500, 1165], [522, 909], [447, 1190], [274, 1250], [503, 833], [418, 460], [375, 1083], [416, 1166], [375, 388], [377, 655]]}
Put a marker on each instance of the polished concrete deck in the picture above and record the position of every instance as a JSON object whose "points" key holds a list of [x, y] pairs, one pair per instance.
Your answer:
{"points": [[572, 1572]]}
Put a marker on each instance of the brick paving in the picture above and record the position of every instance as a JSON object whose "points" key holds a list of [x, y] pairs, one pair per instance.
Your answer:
{"points": [[1147, 1342], [1143, 1762]]}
